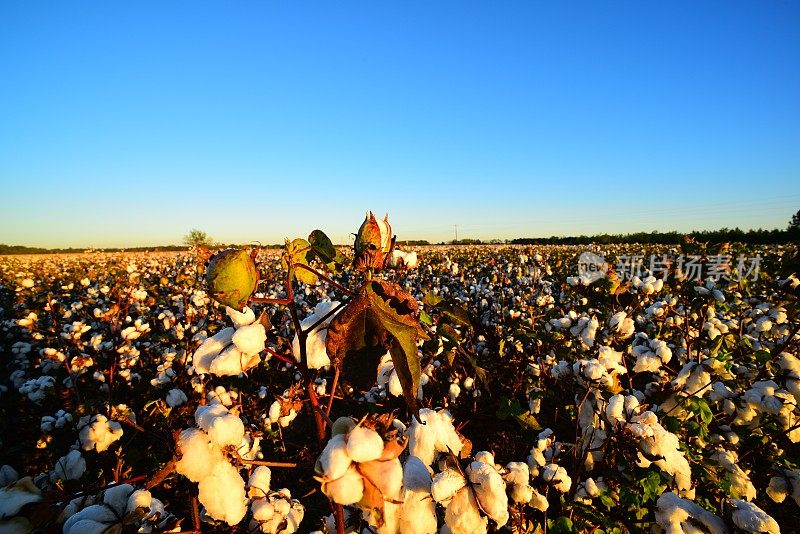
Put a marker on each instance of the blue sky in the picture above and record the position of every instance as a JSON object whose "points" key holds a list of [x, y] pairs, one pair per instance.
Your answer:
{"points": [[125, 124]]}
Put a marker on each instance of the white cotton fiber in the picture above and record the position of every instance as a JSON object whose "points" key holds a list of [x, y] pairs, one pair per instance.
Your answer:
{"points": [[259, 482], [205, 415], [241, 318], [334, 460], [250, 339], [226, 430], [364, 444], [222, 494], [198, 456], [210, 349]]}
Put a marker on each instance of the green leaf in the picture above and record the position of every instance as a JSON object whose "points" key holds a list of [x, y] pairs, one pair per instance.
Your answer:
{"points": [[562, 525], [324, 249], [300, 252], [425, 318], [431, 299], [456, 313]]}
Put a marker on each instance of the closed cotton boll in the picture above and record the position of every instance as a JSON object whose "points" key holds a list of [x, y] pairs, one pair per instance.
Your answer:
{"points": [[198, 456], [222, 494], [364, 444], [226, 430], [334, 460], [347, 489], [250, 339]]}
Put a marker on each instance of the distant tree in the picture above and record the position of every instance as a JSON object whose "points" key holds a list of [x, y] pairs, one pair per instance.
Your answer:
{"points": [[196, 238], [794, 223]]}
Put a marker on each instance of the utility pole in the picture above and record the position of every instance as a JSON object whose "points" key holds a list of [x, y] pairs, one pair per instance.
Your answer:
{"points": [[456, 227]]}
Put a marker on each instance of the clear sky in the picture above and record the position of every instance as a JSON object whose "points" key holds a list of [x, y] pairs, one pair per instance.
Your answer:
{"points": [[129, 123]]}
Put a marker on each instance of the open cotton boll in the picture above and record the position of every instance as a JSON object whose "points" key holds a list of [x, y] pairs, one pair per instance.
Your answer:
{"points": [[347, 489], [210, 349], [490, 490], [205, 415], [316, 353], [364, 444], [674, 515], [232, 362], [98, 432], [259, 482], [226, 430], [557, 476], [463, 516], [250, 339], [241, 318], [139, 499], [198, 455], [69, 467], [445, 485], [8, 475], [176, 397], [222, 494], [334, 460], [418, 511], [17, 495], [751, 518], [434, 433]]}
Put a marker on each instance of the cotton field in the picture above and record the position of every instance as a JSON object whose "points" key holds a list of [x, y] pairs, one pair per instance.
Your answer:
{"points": [[452, 389]]}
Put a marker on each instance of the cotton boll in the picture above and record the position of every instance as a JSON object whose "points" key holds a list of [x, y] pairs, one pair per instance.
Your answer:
{"points": [[222, 494], [445, 485], [241, 318], [778, 489], [139, 499], [233, 362], [674, 515], [198, 456], [8, 475], [205, 415], [751, 518], [259, 482], [226, 430], [98, 432], [17, 495], [176, 397], [490, 490], [316, 352], [334, 460], [557, 475], [417, 513], [250, 339], [364, 444], [210, 349], [347, 489], [387, 477], [69, 467], [463, 516]]}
